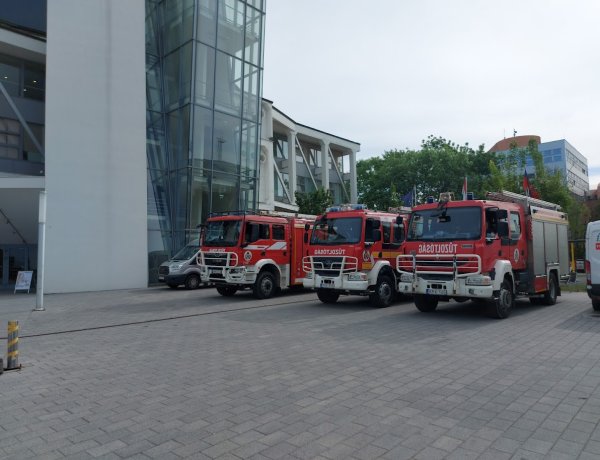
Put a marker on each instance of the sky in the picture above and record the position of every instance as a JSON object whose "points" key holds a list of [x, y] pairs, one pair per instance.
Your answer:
{"points": [[389, 73]]}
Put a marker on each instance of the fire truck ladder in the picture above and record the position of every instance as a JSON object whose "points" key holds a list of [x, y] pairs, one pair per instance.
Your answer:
{"points": [[511, 197]]}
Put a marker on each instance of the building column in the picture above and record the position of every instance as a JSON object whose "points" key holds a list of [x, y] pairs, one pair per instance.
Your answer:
{"points": [[293, 174], [325, 164], [353, 179]]}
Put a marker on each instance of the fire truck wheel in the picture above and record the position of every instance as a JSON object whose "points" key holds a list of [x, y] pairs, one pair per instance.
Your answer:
{"points": [[327, 296], [265, 286], [384, 292], [192, 282], [550, 294], [226, 291], [502, 306], [426, 303]]}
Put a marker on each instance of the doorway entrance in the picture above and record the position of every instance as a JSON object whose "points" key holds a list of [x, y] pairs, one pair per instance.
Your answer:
{"points": [[13, 259]]}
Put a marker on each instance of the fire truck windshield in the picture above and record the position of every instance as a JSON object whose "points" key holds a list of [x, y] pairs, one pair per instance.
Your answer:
{"points": [[334, 231], [446, 224], [222, 233]]}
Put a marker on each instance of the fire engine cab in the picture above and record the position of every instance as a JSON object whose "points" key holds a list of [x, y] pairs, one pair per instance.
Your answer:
{"points": [[352, 251], [489, 251], [262, 252]]}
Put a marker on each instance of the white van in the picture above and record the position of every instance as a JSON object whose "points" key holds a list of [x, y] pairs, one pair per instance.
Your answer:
{"points": [[592, 262], [182, 268]]}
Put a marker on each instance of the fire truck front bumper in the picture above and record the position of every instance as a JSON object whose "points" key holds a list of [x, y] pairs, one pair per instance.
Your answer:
{"points": [[479, 287], [348, 282], [228, 275]]}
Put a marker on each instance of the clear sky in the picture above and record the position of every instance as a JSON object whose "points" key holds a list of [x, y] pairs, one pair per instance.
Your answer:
{"points": [[389, 73]]}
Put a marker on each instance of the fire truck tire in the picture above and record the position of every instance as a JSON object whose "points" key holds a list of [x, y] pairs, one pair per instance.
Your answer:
{"points": [[327, 296], [265, 286], [596, 305], [550, 294], [226, 291], [384, 293], [501, 307], [192, 282], [426, 303]]}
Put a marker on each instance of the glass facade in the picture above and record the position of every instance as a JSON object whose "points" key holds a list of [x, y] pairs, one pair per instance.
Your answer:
{"points": [[204, 62]]}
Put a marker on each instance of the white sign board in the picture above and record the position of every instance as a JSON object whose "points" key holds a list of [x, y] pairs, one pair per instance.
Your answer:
{"points": [[23, 281]]}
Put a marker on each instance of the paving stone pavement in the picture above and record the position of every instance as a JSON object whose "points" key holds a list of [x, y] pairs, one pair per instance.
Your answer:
{"points": [[169, 374]]}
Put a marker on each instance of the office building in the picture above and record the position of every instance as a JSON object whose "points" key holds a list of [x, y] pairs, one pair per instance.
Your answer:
{"points": [[138, 119]]}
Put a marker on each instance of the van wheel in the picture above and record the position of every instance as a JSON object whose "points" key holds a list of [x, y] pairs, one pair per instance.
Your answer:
{"points": [[327, 296], [384, 292], [426, 303], [226, 291], [550, 294], [501, 307], [192, 282], [265, 286]]}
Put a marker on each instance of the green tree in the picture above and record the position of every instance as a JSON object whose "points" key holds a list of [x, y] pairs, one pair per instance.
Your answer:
{"points": [[315, 202]]}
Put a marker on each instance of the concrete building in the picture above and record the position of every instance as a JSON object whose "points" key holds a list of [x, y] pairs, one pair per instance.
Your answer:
{"points": [[138, 119], [558, 155]]}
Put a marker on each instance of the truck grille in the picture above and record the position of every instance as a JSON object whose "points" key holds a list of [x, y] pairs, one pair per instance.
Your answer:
{"points": [[218, 259], [330, 266], [458, 265]]}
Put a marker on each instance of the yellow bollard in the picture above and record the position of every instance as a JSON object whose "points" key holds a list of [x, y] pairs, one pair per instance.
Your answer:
{"points": [[12, 358]]}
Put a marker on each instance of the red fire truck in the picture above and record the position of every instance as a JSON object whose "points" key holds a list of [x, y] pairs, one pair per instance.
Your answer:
{"points": [[352, 251], [262, 252], [489, 251]]}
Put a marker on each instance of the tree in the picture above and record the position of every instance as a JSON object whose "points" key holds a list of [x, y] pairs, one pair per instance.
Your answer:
{"points": [[315, 202]]}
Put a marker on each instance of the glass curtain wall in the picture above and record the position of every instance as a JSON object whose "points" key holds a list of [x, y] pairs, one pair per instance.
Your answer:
{"points": [[204, 61]]}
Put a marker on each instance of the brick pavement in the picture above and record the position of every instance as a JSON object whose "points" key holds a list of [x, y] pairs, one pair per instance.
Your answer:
{"points": [[293, 378]]}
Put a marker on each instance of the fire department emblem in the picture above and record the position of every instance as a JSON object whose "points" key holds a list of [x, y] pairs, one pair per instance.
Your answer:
{"points": [[516, 255], [247, 256], [366, 256]]}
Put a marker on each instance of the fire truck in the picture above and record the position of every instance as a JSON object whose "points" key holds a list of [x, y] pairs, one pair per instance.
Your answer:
{"points": [[352, 251], [489, 251], [262, 252]]}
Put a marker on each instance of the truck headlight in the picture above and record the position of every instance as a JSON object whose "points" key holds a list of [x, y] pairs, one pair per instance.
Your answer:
{"points": [[175, 267], [357, 276], [479, 280], [407, 277], [236, 270]]}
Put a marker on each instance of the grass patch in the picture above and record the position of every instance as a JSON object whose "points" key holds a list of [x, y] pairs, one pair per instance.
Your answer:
{"points": [[573, 287]]}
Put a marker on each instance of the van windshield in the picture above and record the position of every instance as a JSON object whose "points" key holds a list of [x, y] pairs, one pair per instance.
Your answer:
{"points": [[445, 225], [187, 252], [344, 230], [222, 233]]}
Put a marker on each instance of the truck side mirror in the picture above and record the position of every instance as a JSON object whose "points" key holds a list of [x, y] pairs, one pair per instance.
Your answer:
{"points": [[306, 227], [399, 220], [503, 229], [305, 238]]}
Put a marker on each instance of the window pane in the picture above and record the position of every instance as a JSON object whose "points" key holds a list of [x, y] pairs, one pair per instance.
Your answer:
{"points": [[252, 36], [249, 148], [207, 21], [231, 27], [200, 198], [202, 138], [225, 193], [228, 84], [205, 72], [251, 92], [226, 151], [34, 81], [10, 74]]}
